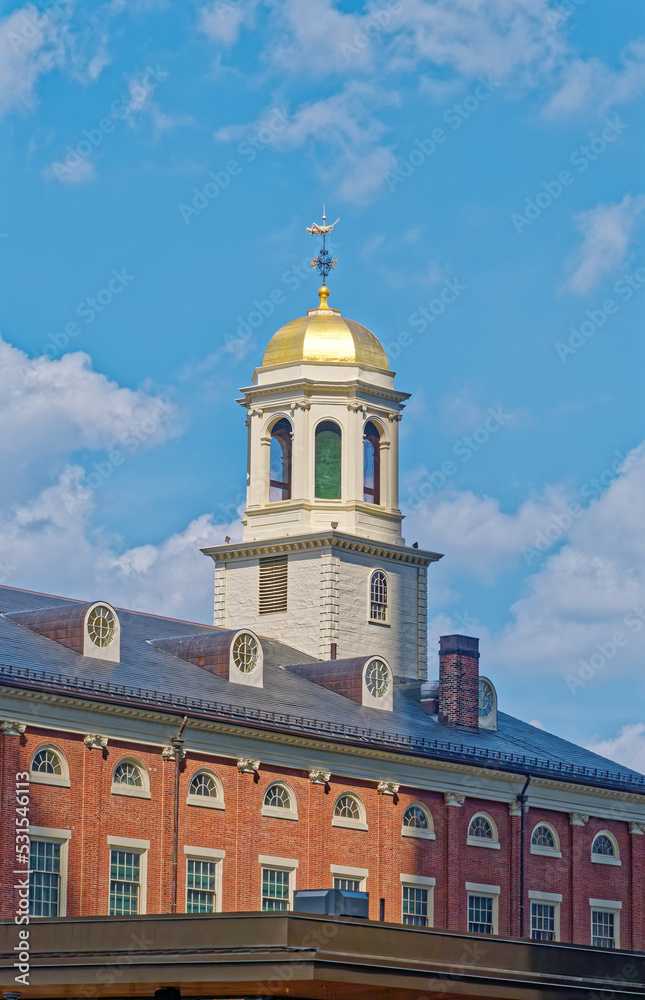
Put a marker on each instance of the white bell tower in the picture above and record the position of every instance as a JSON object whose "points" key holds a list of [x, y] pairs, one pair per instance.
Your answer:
{"points": [[322, 565]]}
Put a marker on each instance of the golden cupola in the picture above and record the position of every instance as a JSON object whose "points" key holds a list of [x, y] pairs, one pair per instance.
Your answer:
{"points": [[324, 336]]}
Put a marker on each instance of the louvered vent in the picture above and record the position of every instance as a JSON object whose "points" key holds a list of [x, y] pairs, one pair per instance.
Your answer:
{"points": [[273, 585]]}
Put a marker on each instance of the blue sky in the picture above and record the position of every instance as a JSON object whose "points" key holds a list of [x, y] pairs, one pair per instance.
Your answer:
{"points": [[161, 162]]}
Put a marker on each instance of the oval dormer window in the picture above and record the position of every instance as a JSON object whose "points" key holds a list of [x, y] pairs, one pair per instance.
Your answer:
{"points": [[101, 626], [377, 678], [245, 653]]}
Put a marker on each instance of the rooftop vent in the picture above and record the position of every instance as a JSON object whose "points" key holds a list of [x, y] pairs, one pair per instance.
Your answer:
{"points": [[235, 654], [89, 629]]}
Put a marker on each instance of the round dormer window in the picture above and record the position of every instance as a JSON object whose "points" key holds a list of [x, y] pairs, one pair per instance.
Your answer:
{"points": [[486, 698], [245, 653], [377, 678], [101, 626]]}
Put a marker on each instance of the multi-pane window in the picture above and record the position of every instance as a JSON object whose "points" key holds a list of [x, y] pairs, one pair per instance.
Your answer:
{"points": [[203, 784], [543, 917], [47, 762], [277, 797], [127, 773], [347, 807], [480, 914], [480, 829], [603, 928], [543, 837], [275, 888], [378, 596], [603, 846], [416, 818], [349, 884], [125, 882], [415, 906], [44, 878], [200, 886]]}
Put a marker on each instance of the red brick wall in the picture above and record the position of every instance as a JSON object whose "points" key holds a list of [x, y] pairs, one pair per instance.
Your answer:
{"points": [[93, 813]]}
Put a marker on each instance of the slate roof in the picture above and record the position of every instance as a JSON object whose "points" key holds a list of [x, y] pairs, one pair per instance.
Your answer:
{"points": [[151, 677]]}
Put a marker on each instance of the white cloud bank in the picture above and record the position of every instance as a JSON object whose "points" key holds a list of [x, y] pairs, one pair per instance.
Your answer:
{"points": [[627, 748]]}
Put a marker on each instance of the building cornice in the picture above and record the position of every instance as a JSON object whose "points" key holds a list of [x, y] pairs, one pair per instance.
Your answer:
{"points": [[319, 540], [462, 778], [309, 387]]}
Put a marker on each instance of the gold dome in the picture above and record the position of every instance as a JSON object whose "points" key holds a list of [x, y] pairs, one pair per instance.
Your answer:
{"points": [[322, 335]]}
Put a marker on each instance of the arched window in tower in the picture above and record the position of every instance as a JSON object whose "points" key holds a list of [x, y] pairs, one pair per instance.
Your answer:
{"points": [[371, 464], [328, 458], [280, 471]]}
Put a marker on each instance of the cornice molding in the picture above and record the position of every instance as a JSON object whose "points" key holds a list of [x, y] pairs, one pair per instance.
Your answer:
{"points": [[337, 540], [496, 785]]}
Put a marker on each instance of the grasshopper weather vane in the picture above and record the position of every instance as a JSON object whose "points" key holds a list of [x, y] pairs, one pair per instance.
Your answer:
{"points": [[324, 261]]}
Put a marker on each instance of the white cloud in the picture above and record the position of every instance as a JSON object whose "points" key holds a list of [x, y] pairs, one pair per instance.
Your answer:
{"points": [[320, 39], [49, 409], [587, 592], [473, 533], [627, 748], [48, 544], [471, 37], [31, 44], [607, 231], [342, 133], [223, 20], [591, 85], [82, 171]]}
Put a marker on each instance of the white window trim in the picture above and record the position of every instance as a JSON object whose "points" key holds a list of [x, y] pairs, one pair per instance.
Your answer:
{"points": [[420, 882], [132, 791], [345, 821], [63, 838], [275, 812], [493, 844], [347, 871], [551, 899], [493, 891], [141, 847], [378, 621], [547, 852], [606, 904], [206, 854], [414, 831], [289, 865], [601, 859], [42, 778], [208, 801]]}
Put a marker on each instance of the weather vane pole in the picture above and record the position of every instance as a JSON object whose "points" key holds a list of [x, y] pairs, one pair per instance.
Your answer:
{"points": [[323, 261]]}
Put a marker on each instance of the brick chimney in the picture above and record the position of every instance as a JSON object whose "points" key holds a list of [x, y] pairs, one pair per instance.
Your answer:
{"points": [[459, 681]]}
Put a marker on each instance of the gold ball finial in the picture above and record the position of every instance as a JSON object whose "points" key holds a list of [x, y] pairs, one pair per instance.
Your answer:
{"points": [[323, 292]]}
